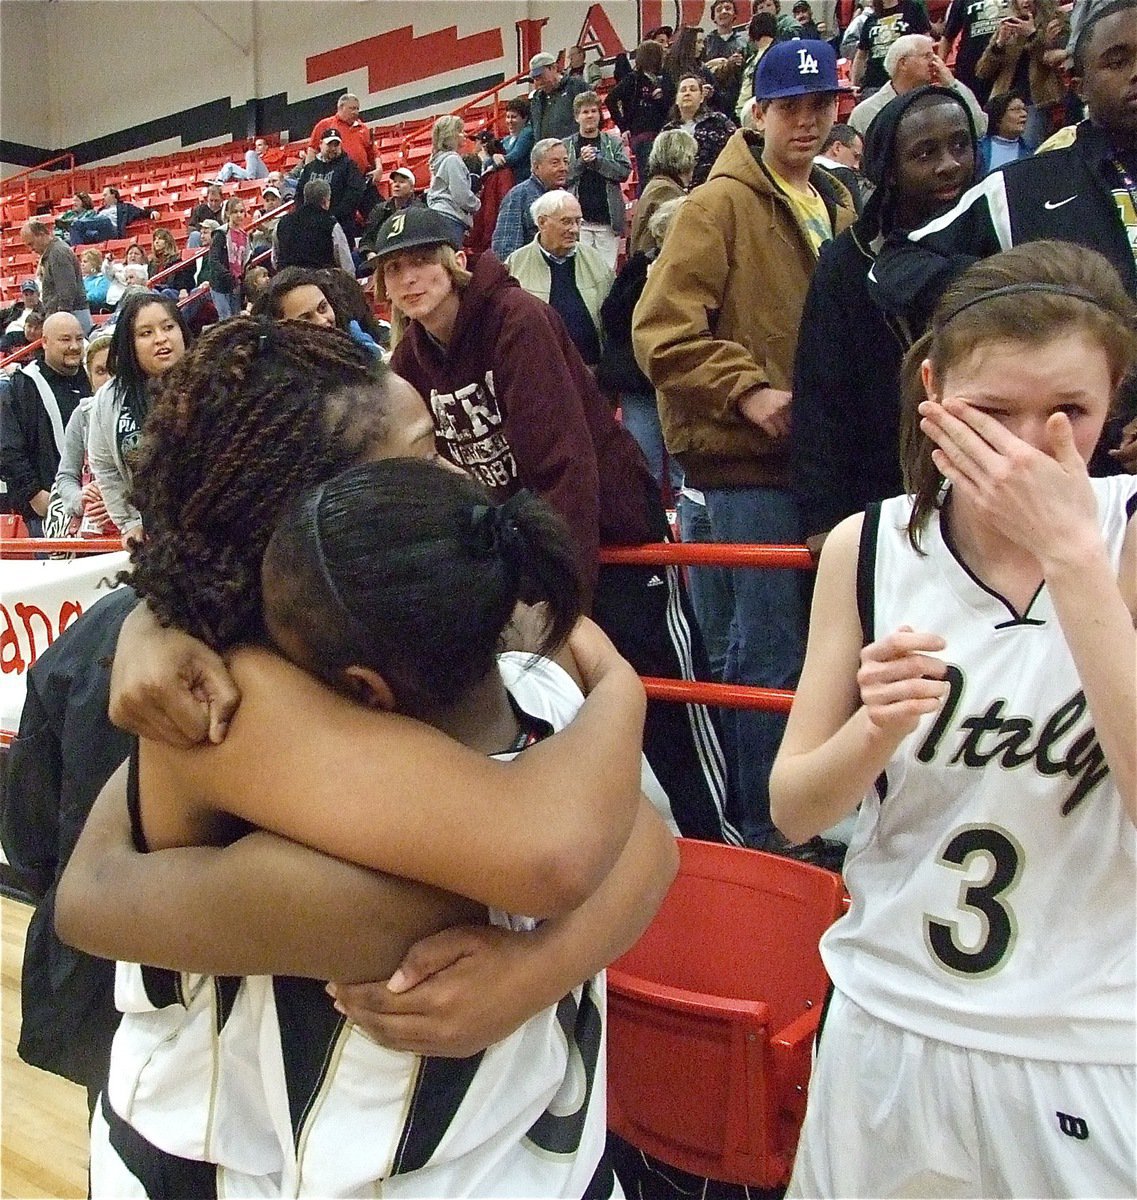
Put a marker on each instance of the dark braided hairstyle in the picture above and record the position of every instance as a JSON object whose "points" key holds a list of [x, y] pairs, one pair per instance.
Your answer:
{"points": [[254, 414]]}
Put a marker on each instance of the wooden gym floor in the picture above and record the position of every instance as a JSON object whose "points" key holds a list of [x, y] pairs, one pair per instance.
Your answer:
{"points": [[43, 1119]]}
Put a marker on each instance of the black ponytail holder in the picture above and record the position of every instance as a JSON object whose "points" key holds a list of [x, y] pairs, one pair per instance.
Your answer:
{"points": [[264, 341], [494, 529]]}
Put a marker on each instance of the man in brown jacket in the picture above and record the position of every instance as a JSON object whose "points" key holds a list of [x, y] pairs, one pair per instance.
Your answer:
{"points": [[716, 331]]}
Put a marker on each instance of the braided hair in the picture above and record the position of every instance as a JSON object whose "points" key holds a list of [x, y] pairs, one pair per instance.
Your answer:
{"points": [[254, 414]]}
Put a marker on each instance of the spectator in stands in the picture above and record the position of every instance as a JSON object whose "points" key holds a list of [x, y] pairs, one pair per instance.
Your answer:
{"points": [[517, 145], [1056, 195], [618, 372], [724, 52], [353, 311], [807, 27], [87, 225], [310, 236], [722, 362], [208, 210], [26, 333], [12, 319], [95, 283], [131, 272], [121, 211], [579, 69], [785, 22], [450, 192], [571, 277], [841, 157], [890, 20], [911, 62], [549, 167], [327, 298], [1004, 142], [205, 264], [34, 410], [1020, 59], [670, 169], [550, 105], [686, 58], [255, 166], [264, 230], [150, 336], [724, 41], [347, 182], [709, 127], [639, 103], [845, 426], [402, 183], [354, 134], [76, 504], [514, 405], [81, 207], [598, 165], [255, 285], [230, 252], [61, 284], [974, 24], [761, 33], [297, 294]]}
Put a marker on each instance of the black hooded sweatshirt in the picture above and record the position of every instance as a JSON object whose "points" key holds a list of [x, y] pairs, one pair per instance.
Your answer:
{"points": [[844, 444]]}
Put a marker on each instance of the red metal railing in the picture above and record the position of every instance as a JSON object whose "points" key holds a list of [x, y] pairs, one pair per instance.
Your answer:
{"points": [[682, 691], [421, 136], [24, 176]]}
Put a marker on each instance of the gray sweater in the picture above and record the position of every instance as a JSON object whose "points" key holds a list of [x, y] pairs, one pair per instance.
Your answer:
{"points": [[450, 191]]}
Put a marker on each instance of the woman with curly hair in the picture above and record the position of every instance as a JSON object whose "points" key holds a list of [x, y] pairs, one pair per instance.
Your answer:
{"points": [[258, 412], [150, 337]]}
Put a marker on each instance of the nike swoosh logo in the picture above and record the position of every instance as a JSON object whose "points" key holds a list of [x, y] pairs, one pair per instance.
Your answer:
{"points": [[1050, 205]]}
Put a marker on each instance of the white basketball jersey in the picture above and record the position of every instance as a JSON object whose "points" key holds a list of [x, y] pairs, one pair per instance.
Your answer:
{"points": [[992, 871], [264, 1078]]}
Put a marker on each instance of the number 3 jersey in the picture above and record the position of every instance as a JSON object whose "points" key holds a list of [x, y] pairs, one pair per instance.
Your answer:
{"points": [[992, 870]]}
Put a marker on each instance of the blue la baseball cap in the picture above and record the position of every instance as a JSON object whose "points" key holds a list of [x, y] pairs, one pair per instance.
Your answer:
{"points": [[796, 68]]}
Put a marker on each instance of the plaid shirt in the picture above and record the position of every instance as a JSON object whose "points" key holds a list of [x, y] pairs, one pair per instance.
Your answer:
{"points": [[515, 227]]}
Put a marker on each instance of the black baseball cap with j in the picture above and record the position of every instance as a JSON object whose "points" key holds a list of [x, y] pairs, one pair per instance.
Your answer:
{"points": [[408, 229]]}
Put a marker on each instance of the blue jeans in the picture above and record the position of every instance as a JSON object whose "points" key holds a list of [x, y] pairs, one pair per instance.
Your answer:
{"points": [[226, 303], [766, 644], [85, 230], [641, 420], [254, 168], [710, 588], [458, 236]]}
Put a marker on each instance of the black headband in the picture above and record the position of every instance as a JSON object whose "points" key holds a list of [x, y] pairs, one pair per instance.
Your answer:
{"points": [[1019, 289]]}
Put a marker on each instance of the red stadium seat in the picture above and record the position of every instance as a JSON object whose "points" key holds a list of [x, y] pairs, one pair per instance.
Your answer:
{"points": [[712, 1015]]}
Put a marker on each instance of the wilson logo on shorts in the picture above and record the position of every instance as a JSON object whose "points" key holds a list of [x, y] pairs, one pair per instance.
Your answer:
{"points": [[1074, 1127]]}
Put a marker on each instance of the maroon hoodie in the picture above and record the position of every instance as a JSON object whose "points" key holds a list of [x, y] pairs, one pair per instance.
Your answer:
{"points": [[515, 406]]}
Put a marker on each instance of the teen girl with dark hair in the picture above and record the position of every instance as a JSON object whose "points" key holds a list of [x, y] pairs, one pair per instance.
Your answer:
{"points": [[538, 841], [970, 684], [328, 298], [150, 337]]}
